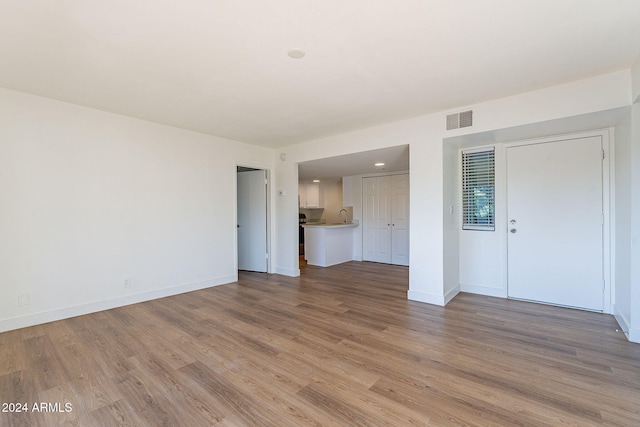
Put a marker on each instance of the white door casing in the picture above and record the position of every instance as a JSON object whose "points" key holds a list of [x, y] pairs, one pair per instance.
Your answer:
{"points": [[555, 222], [252, 220]]}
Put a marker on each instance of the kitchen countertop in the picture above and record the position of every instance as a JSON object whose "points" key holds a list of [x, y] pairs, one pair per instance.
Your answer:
{"points": [[334, 225]]}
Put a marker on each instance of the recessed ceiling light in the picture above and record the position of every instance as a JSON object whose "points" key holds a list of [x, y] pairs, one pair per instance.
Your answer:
{"points": [[379, 164], [296, 53], [316, 180]]}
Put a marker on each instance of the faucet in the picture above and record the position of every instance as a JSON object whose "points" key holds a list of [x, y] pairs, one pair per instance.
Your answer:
{"points": [[346, 215]]}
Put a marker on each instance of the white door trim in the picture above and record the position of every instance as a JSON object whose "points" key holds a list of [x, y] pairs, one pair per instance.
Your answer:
{"points": [[608, 166], [269, 221]]}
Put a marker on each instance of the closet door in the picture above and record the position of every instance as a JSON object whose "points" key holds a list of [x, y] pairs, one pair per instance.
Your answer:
{"points": [[400, 220], [376, 222], [386, 219]]}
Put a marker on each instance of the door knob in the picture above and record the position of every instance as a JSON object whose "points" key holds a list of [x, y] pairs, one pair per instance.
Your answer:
{"points": [[513, 230]]}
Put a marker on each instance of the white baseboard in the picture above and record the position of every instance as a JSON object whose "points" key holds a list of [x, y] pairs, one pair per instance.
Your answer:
{"points": [[451, 294], [92, 307], [288, 271], [425, 297], [483, 290], [440, 300], [632, 334]]}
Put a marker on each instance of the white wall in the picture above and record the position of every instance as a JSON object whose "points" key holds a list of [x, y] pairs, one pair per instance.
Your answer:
{"points": [[451, 223], [622, 202], [633, 331], [635, 81], [285, 258], [90, 198], [425, 135], [331, 194], [347, 192], [634, 294], [481, 265], [356, 199]]}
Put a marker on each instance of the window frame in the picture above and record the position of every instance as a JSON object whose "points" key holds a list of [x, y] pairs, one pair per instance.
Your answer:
{"points": [[483, 185]]}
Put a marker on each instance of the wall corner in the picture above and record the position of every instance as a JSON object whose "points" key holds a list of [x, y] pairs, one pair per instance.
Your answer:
{"points": [[635, 82]]}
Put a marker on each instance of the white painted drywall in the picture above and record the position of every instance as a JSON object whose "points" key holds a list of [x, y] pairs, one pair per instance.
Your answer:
{"points": [[633, 332], [285, 258], [356, 200], [451, 223], [331, 194], [481, 263], [622, 204], [347, 191], [90, 199], [635, 81], [425, 135], [634, 294]]}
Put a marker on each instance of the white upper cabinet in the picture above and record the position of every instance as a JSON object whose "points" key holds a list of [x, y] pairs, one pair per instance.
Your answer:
{"points": [[309, 195]]}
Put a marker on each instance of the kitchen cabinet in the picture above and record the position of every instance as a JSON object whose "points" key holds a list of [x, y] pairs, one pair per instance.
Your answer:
{"points": [[309, 196]]}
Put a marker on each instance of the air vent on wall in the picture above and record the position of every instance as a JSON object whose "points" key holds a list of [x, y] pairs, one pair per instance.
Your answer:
{"points": [[460, 120]]}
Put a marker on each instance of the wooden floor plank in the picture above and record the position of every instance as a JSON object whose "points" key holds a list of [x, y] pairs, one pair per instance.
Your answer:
{"points": [[335, 346]]}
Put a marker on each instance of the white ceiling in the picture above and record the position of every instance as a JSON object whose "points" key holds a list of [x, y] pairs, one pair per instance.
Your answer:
{"points": [[221, 67], [394, 158]]}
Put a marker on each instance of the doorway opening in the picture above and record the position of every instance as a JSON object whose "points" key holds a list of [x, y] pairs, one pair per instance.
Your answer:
{"points": [[252, 219], [329, 187]]}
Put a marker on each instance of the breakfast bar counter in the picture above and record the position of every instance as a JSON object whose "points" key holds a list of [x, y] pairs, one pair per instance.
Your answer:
{"points": [[328, 244]]}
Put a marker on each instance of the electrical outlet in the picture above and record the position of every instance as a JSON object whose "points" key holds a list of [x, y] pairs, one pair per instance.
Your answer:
{"points": [[23, 299], [127, 282]]}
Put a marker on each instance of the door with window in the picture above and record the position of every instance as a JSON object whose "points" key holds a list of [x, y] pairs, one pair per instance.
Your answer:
{"points": [[385, 220], [555, 222]]}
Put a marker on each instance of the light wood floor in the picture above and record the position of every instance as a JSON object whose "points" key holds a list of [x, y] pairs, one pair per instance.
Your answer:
{"points": [[337, 346]]}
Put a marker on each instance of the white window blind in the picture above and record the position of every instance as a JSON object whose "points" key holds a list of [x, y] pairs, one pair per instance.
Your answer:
{"points": [[478, 189]]}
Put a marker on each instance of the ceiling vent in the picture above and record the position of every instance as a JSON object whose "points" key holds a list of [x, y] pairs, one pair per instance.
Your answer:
{"points": [[460, 120]]}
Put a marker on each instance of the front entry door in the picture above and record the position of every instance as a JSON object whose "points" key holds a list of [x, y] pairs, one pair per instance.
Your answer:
{"points": [[555, 222]]}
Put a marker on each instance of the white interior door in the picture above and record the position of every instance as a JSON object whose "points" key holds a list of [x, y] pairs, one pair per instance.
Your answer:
{"points": [[385, 222], [376, 221], [555, 222], [252, 220], [400, 220]]}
